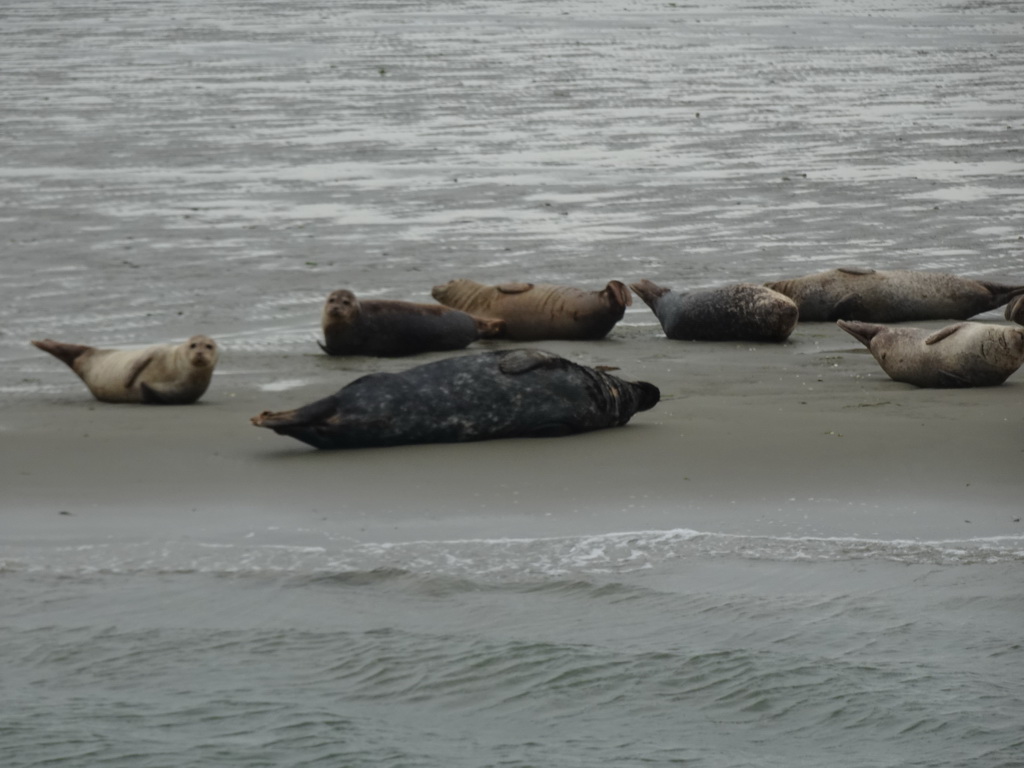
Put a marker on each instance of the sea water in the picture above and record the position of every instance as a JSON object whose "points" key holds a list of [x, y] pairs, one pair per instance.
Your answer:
{"points": [[250, 155]]}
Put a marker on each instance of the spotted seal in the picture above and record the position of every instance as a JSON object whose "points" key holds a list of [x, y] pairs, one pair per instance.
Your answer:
{"points": [[893, 296], [481, 396], [961, 355], [395, 328], [540, 311], [738, 312], [168, 374]]}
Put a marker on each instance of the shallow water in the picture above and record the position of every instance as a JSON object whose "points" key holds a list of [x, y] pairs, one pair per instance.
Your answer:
{"points": [[222, 166]]}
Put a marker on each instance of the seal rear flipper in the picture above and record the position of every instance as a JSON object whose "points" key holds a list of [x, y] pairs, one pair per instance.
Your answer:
{"points": [[862, 332], [308, 415], [1015, 310], [489, 328], [1002, 293], [648, 291], [943, 333], [66, 353], [522, 360]]}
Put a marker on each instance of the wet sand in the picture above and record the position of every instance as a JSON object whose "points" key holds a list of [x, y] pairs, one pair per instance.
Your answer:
{"points": [[805, 438], [221, 169]]}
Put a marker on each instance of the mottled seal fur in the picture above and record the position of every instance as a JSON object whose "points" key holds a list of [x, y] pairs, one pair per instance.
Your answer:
{"points": [[511, 393], [739, 312], [540, 311], [960, 355], [1015, 310], [166, 374], [892, 296], [394, 328]]}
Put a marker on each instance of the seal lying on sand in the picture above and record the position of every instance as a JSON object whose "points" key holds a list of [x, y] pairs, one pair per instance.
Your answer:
{"points": [[165, 374], [892, 296], [740, 312], [513, 393], [540, 311], [1015, 310], [960, 355], [395, 328]]}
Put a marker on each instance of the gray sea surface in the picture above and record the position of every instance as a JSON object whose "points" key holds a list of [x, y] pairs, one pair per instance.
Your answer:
{"points": [[222, 165]]}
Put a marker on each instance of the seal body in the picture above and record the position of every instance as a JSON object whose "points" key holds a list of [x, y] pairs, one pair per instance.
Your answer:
{"points": [[167, 374], [739, 312], [511, 393], [396, 328], [960, 355], [540, 311], [1015, 310], [892, 296]]}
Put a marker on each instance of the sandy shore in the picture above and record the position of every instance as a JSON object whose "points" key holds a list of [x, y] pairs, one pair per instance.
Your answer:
{"points": [[806, 438]]}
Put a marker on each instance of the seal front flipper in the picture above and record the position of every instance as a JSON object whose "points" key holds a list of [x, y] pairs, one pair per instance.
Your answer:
{"points": [[952, 380], [514, 287], [850, 307], [522, 360], [151, 397], [137, 368], [943, 333], [856, 271]]}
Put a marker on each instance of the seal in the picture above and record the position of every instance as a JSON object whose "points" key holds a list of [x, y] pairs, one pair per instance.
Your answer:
{"points": [[397, 328], [892, 296], [540, 311], [960, 355], [481, 396], [163, 374], [738, 312], [1015, 310]]}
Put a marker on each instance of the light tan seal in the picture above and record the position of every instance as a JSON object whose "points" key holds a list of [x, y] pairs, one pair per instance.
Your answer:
{"points": [[540, 311], [737, 312], [1015, 310], [960, 355], [394, 328], [892, 296], [165, 374]]}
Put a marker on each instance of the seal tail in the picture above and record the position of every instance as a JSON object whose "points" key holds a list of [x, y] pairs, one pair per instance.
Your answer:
{"points": [[862, 332], [66, 353]]}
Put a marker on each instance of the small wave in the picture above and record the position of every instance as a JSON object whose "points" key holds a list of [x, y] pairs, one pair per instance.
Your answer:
{"points": [[500, 560]]}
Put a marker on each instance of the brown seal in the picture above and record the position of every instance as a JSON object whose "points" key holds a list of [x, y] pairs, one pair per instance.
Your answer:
{"points": [[892, 296], [165, 374], [737, 312], [960, 355], [394, 328], [540, 311]]}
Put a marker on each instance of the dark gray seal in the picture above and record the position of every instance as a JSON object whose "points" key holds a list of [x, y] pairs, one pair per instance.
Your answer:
{"points": [[892, 296], [513, 393], [541, 311], [396, 328], [1015, 310], [960, 355], [739, 312], [163, 374]]}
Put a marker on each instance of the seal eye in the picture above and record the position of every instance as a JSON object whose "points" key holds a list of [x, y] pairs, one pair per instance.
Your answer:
{"points": [[192, 345]]}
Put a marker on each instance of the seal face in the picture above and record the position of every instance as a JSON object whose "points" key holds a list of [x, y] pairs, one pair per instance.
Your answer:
{"points": [[960, 355], [892, 296], [739, 312], [165, 374], [511, 393], [540, 311], [397, 328]]}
